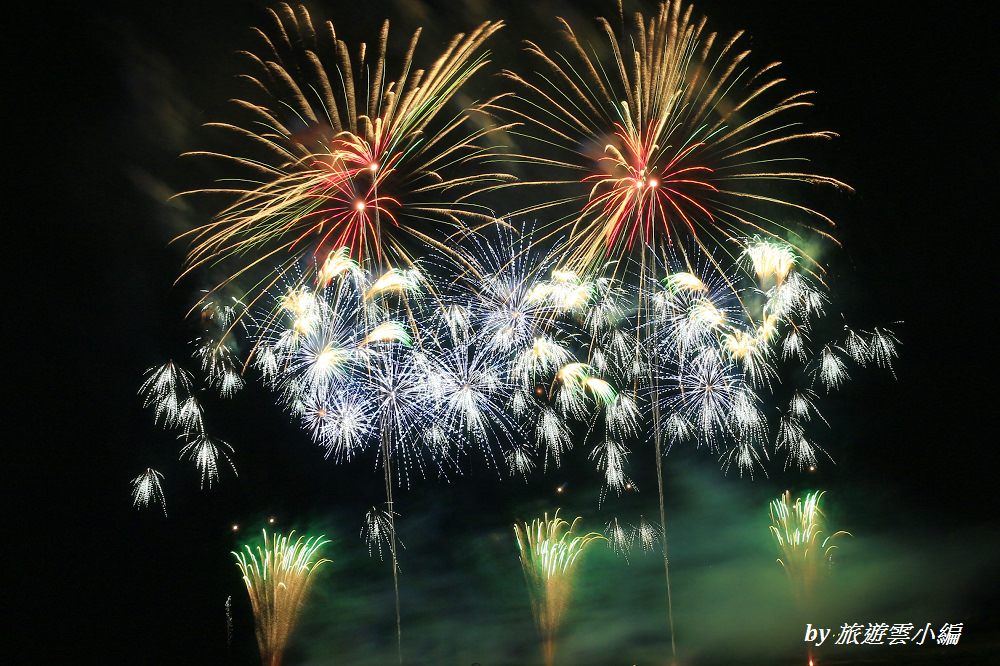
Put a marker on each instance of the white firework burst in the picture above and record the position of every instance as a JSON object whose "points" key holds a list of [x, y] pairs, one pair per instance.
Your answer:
{"points": [[220, 365], [165, 390], [611, 458], [831, 371], [883, 348], [704, 396], [378, 531], [206, 453], [646, 534], [552, 435], [619, 539], [855, 346], [146, 490]]}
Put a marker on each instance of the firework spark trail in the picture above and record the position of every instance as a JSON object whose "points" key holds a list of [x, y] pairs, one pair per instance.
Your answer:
{"points": [[619, 539], [278, 577], [550, 554], [798, 531], [805, 554]]}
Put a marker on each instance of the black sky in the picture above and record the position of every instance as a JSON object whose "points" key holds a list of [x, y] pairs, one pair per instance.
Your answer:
{"points": [[115, 91]]}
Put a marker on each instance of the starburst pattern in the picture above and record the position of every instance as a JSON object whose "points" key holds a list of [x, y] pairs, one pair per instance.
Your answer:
{"points": [[675, 133], [344, 152]]}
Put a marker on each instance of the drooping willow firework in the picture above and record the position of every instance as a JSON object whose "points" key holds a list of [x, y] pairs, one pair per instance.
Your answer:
{"points": [[342, 155], [278, 577], [662, 134], [170, 391], [805, 553], [146, 490], [550, 554]]}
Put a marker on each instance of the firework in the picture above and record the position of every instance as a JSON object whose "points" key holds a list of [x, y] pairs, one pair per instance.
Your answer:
{"points": [[146, 490], [220, 365], [883, 348], [619, 539], [471, 391], [657, 304], [206, 454], [723, 338], [378, 531], [647, 534], [518, 318], [278, 577], [798, 531], [344, 153], [500, 284], [550, 554], [610, 458], [229, 622], [674, 133], [167, 390], [831, 370], [347, 359]]}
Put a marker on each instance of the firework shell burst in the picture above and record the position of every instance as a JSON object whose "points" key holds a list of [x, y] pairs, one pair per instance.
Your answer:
{"points": [[341, 154], [663, 133]]}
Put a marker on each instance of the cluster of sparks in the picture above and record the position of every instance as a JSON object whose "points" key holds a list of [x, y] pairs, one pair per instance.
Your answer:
{"points": [[278, 577], [550, 553], [798, 532], [517, 359]]}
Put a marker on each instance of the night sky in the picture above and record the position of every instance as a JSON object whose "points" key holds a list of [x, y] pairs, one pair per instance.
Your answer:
{"points": [[116, 91]]}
